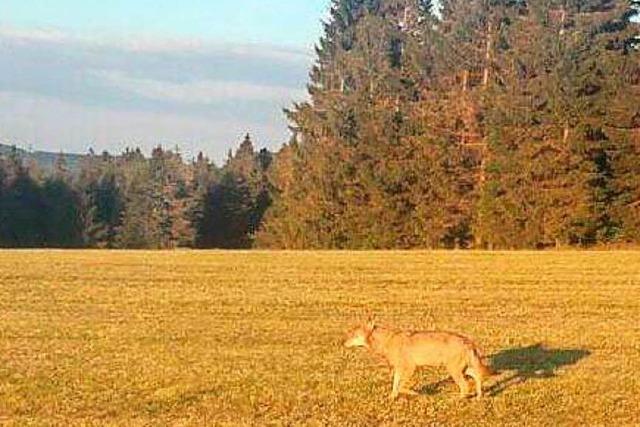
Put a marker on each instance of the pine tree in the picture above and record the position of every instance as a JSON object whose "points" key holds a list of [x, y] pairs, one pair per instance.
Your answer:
{"points": [[226, 216], [4, 175], [140, 225], [24, 212], [262, 197], [280, 228], [543, 170], [102, 201], [233, 206], [171, 182], [354, 137], [63, 221], [622, 163], [205, 175]]}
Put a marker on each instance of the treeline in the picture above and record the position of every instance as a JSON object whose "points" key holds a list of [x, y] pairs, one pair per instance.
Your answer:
{"points": [[133, 201], [490, 124]]}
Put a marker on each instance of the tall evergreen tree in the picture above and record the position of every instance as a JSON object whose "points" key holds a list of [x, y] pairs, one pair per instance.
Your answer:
{"points": [[535, 115], [226, 217], [141, 217], [102, 200], [234, 205], [355, 138], [23, 216], [63, 222], [622, 125], [4, 175], [172, 183]]}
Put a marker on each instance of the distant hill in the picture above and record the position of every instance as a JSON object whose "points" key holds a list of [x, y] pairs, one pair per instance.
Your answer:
{"points": [[45, 159]]}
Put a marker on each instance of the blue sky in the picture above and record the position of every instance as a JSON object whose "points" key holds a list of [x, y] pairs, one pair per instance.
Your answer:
{"points": [[115, 73], [287, 22]]}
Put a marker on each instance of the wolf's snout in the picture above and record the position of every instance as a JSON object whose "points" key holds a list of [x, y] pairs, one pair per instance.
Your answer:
{"points": [[348, 343]]}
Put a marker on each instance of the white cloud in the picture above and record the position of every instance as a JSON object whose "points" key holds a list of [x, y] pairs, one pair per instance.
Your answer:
{"points": [[152, 43], [204, 92], [60, 91], [33, 35], [49, 124]]}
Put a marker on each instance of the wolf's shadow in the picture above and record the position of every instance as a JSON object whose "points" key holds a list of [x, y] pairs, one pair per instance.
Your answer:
{"points": [[522, 364], [532, 362]]}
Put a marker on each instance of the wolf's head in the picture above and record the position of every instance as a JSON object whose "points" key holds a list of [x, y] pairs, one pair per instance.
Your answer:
{"points": [[359, 336]]}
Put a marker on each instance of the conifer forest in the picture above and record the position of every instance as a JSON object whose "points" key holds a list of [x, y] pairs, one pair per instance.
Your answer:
{"points": [[484, 124]]}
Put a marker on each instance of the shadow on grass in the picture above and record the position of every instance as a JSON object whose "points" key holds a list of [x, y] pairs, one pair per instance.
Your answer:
{"points": [[532, 362], [435, 387], [520, 364], [190, 398]]}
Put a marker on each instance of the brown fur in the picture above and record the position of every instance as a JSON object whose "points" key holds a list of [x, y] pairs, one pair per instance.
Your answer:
{"points": [[407, 350]]}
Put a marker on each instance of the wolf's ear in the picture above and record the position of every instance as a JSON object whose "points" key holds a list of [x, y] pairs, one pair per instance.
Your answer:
{"points": [[371, 323]]}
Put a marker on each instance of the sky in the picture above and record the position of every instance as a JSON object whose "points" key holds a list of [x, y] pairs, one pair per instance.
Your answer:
{"points": [[108, 74]]}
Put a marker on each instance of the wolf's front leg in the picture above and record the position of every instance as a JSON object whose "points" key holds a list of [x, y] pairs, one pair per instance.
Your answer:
{"points": [[405, 379], [401, 375], [396, 384]]}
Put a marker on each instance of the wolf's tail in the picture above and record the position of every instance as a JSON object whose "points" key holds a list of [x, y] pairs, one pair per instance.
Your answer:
{"points": [[478, 364]]}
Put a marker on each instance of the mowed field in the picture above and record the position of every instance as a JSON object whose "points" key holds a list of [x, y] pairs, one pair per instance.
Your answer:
{"points": [[254, 338]]}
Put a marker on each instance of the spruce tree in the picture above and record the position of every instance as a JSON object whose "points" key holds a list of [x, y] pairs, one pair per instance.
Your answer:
{"points": [[25, 214], [226, 216], [354, 137], [63, 222], [140, 225], [102, 200], [622, 201]]}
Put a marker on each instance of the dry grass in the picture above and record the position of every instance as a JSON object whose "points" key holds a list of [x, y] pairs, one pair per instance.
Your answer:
{"points": [[215, 338]]}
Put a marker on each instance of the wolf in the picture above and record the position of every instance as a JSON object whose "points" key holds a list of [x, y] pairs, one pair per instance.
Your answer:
{"points": [[407, 350]]}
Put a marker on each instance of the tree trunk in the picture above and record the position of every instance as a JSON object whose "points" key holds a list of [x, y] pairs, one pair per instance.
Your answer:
{"points": [[488, 55]]}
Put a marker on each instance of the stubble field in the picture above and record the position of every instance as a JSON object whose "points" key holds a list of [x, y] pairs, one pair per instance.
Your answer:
{"points": [[254, 338]]}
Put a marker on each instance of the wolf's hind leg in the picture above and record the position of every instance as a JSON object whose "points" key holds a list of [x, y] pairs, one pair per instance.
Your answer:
{"points": [[458, 376], [477, 378]]}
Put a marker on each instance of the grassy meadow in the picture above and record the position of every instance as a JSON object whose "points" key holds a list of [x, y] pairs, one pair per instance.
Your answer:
{"points": [[254, 338]]}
